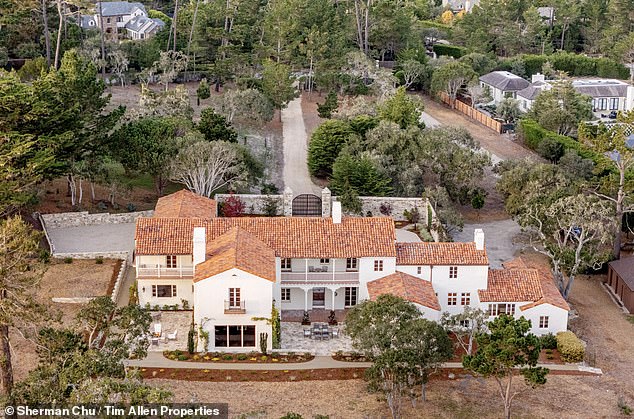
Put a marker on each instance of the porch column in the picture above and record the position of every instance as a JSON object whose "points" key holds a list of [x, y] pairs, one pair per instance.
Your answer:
{"points": [[333, 269], [306, 270], [305, 299], [333, 298]]}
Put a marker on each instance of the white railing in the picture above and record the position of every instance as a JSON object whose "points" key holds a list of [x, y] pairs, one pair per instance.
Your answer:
{"points": [[158, 271], [320, 276]]}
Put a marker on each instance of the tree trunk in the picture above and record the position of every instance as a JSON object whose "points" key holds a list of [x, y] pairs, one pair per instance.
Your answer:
{"points": [[174, 22], [366, 35], [58, 44], [423, 391], [81, 191], [92, 191], [620, 197], [189, 42], [47, 34], [102, 41], [6, 370]]}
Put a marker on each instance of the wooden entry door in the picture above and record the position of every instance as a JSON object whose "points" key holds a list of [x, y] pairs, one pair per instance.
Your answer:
{"points": [[319, 297]]}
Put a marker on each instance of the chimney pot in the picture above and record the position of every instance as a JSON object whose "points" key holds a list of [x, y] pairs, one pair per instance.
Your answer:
{"points": [[336, 212], [478, 238], [200, 245]]}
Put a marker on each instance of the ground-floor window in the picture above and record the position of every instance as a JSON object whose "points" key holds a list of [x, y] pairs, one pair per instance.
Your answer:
{"points": [[286, 294], [166, 291], [234, 336], [351, 296], [543, 322], [614, 104], [503, 308]]}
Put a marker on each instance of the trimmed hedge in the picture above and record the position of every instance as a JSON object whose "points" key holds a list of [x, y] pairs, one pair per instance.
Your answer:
{"points": [[450, 50], [437, 25], [575, 65], [548, 341], [534, 135], [570, 347]]}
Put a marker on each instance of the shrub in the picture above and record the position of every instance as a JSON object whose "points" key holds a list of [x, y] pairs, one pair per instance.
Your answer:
{"points": [[241, 357], [182, 357], [44, 256], [190, 340], [215, 127], [233, 207], [99, 260], [227, 357], [271, 206], [291, 415], [326, 109], [570, 347], [450, 50], [185, 304], [550, 149], [68, 260], [548, 341], [386, 209], [325, 145]]}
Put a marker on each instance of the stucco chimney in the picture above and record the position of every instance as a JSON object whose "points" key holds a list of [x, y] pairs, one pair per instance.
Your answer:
{"points": [[478, 238], [336, 212], [538, 77], [200, 245]]}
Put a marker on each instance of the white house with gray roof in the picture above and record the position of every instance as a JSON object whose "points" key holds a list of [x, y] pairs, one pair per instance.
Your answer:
{"points": [[121, 19], [502, 84]]}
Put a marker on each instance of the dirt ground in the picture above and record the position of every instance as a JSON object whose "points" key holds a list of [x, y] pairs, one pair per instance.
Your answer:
{"points": [[82, 278]]}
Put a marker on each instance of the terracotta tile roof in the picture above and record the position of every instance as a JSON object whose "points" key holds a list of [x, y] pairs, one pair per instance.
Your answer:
{"points": [[237, 248], [185, 204], [521, 281], [429, 253], [407, 287], [289, 237], [511, 285]]}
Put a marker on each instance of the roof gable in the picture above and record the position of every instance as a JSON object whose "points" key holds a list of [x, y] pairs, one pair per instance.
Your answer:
{"points": [[119, 8], [505, 81], [406, 286], [185, 204], [430, 253]]}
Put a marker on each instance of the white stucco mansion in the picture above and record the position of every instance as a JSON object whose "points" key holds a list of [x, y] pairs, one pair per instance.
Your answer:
{"points": [[231, 270]]}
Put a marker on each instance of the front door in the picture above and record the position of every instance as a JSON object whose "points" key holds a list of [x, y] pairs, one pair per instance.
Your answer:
{"points": [[319, 297]]}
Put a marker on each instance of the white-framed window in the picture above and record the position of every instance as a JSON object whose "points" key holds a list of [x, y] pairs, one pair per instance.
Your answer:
{"points": [[170, 261], [286, 264], [234, 297], [286, 294], [351, 296], [603, 104], [352, 264], [419, 270], [543, 322], [324, 260], [378, 266], [453, 272], [234, 336], [465, 323], [614, 104], [163, 291], [465, 298], [452, 298], [501, 308]]}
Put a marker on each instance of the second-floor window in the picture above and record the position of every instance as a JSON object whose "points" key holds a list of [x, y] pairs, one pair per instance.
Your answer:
{"points": [[452, 298], [419, 270], [453, 272], [108, 20], [119, 18], [286, 294], [352, 264], [502, 308], [170, 261], [378, 266], [286, 264], [324, 260], [234, 297], [465, 298]]}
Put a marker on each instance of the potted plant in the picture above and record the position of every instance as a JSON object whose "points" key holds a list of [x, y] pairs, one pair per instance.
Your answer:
{"points": [[331, 318], [306, 319]]}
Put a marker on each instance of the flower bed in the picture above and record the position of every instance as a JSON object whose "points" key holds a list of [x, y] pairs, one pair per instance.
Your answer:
{"points": [[349, 357], [234, 358]]}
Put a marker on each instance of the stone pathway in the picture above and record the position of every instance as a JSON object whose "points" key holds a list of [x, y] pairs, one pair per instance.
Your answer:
{"points": [[296, 174], [293, 340]]}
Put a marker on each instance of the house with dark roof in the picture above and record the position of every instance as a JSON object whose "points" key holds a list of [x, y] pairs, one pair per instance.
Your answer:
{"points": [[621, 281], [231, 270], [502, 84], [121, 19]]}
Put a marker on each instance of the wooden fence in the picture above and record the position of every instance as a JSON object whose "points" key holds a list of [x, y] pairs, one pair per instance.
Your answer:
{"points": [[472, 113]]}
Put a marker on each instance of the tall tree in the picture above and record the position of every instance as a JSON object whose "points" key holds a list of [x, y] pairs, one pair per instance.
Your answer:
{"points": [[561, 108], [277, 84], [508, 346], [451, 78], [19, 276], [465, 326]]}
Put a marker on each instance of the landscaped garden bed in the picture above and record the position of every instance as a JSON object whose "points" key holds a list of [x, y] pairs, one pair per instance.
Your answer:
{"points": [[248, 358], [349, 357], [190, 374]]}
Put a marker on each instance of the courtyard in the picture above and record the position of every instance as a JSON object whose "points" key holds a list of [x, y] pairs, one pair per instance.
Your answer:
{"points": [[294, 340]]}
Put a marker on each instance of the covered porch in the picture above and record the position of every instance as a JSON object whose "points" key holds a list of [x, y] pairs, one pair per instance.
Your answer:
{"points": [[319, 297], [319, 315]]}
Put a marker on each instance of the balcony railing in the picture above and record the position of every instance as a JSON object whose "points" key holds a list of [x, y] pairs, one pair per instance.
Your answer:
{"points": [[158, 271], [235, 307], [312, 277]]}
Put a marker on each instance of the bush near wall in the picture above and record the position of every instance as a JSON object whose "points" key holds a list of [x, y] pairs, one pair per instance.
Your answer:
{"points": [[437, 25], [570, 347], [575, 65], [450, 50]]}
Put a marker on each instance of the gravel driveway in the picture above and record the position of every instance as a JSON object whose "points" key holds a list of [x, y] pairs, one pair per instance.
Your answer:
{"points": [[499, 239], [93, 238]]}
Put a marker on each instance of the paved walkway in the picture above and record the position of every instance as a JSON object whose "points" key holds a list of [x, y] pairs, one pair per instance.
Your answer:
{"points": [[93, 238], [157, 360], [403, 235], [295, 173], [498, 238]]}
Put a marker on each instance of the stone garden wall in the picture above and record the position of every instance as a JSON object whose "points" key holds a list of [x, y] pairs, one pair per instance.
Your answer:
{"points": [[83, 218], [254, 204], [371, 206]]}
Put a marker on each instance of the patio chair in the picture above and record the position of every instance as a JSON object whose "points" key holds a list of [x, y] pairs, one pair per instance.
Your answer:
{"points": [[172, 336], [307, 333], [155, 341], [158, 330], [335, 333], [316, 332]]}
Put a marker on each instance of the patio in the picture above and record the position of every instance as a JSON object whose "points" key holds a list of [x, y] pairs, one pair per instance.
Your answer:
{"points": [[170, 322], [315, 315], [293, 340]]}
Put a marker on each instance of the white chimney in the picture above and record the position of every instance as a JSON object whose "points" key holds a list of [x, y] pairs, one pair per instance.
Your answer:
{"points": [[336, 212], [538, 77], [199, 245], [478, 238]]}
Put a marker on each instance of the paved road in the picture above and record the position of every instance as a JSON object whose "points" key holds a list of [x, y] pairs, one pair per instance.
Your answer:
{"points": [[498, 238], [93, 238], [296, 150]]}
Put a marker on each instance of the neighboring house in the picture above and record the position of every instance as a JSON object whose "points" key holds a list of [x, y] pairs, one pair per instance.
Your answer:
{"points": [[621, 280], [502, 84], [231, 270], [606, 94], [459, 5], [121, 18]]}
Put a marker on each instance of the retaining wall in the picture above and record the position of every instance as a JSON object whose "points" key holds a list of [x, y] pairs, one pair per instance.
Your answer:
{"points": [[120, 279], [254, 204], [372, 205], [91, 255], [83, 218]]}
